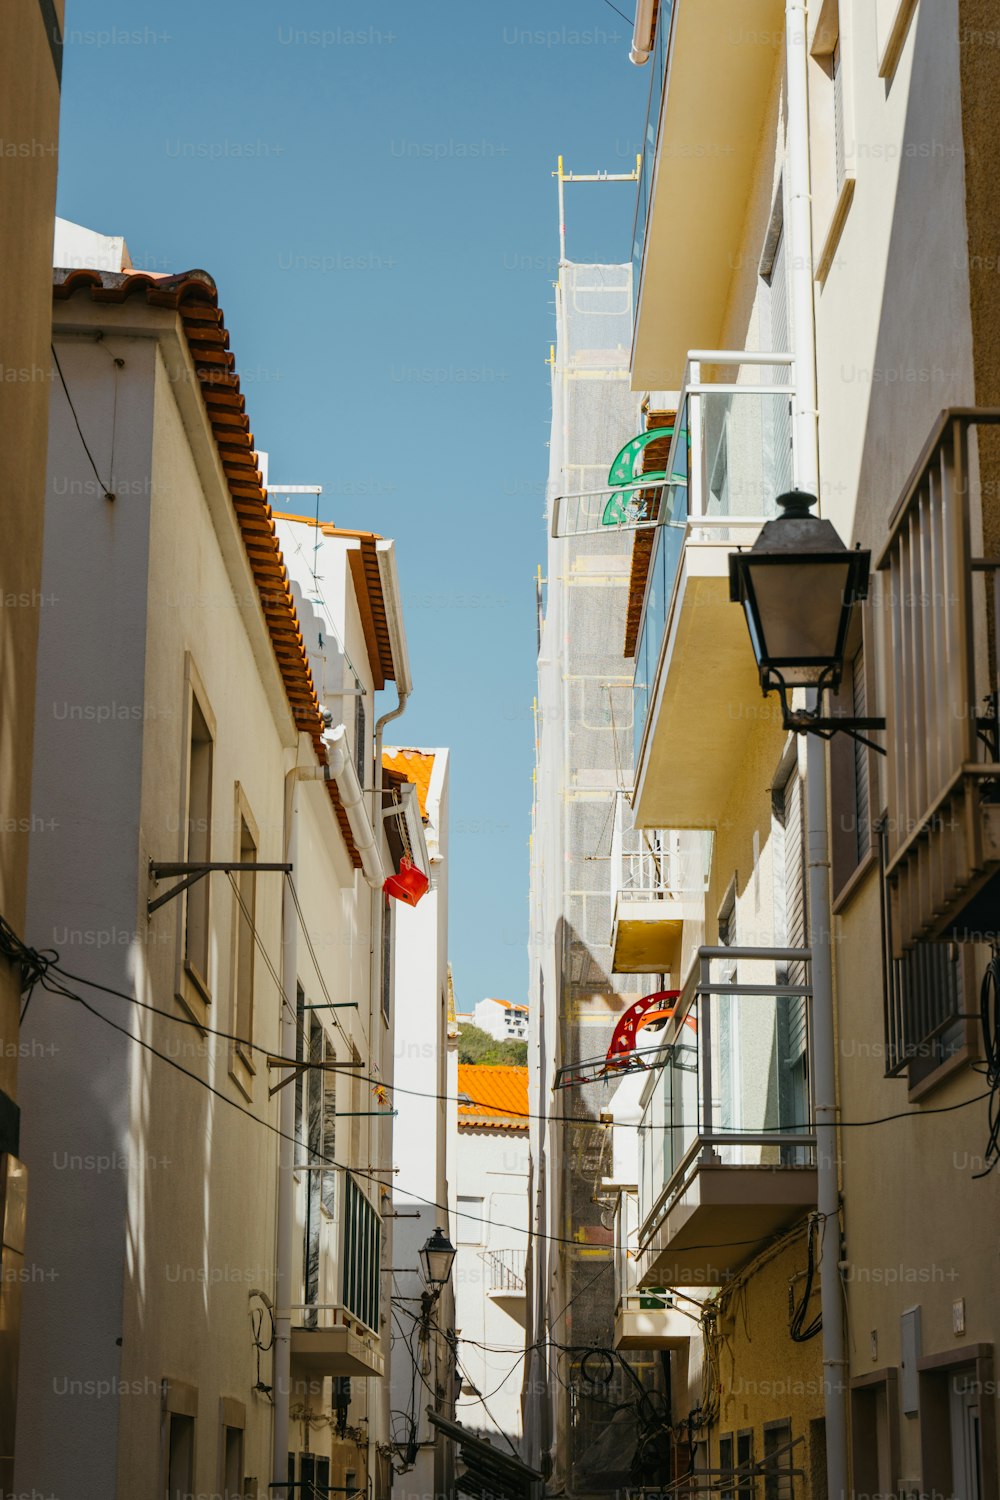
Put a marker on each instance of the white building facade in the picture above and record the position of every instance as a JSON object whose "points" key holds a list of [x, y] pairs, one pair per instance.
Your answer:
{"points": [[205, 1126], [491, 1232]]}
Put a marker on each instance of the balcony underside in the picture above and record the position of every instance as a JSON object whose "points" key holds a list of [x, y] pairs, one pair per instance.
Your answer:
{"points": [[705, 703], [341, 1350], [722, 65], [653, 1328], [723, 1217], [646, 938]]}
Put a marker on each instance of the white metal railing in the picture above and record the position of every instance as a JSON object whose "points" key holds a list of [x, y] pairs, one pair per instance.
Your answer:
{"points": [[506, 1269], [655, 864]]}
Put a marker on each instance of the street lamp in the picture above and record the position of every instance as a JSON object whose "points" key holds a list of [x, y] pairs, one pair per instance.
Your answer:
{"points": [[799, 586], [436, 1258]]}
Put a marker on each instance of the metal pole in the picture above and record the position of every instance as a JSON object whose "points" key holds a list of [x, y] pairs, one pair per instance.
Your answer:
{"points": [[806, 462], [562, 212]]}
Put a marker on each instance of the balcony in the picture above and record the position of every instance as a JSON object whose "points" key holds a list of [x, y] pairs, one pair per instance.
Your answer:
{"points": [[713, 72], [658, 881], [695, 685], [505, 1274], [338, 1332], [651, 1317], [942, 861], [726, 1140]]}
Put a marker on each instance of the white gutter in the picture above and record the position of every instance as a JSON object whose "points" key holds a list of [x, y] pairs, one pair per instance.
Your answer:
{"points": [[806, 474], [341, 770], [642, 33], [385, 552]]}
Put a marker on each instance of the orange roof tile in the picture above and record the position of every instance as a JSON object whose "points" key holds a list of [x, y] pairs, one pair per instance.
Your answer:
{"points": [[194, 296], [499, 1096], [416, 766]]}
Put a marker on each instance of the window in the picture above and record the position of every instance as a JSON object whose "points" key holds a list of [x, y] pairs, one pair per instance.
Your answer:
{"points": [[180, 1457], [930, 990], [351, 1484], [791, 930], [875, 1432], [360, 744], [244, 946], [840, 150], [778, 1461], [313, 1131], [831, 129], [726, 1465], [198, 845], [746, 1488], [957, 1436], [314, 1477], [469, 1230], [180, 1407], [232, 1463], [852, 775]]}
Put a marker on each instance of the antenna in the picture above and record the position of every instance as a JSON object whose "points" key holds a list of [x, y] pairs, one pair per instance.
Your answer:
{"points": [[304, 489]]}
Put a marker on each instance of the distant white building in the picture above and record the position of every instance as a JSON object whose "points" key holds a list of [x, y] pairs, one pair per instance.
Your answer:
{"points": [[503, 1019], [491, 1236]]}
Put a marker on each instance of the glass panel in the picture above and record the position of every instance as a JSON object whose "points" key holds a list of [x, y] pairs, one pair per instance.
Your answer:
{"points": [[747, 445], [657, 66], [759, 1077]]}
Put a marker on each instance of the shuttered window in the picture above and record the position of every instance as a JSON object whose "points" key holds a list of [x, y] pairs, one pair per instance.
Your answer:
{"points": [[791, 925], [840, 146]]}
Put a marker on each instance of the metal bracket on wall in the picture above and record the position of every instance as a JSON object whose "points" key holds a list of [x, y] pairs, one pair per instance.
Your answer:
{"points": [[195, 871]]}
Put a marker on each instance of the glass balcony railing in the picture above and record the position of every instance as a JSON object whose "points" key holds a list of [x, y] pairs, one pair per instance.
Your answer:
{"points": [[658, 71], [732, 1081], [731, 456]]}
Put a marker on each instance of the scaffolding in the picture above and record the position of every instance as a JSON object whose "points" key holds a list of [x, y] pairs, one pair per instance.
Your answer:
{"points": [[581, 1435]]}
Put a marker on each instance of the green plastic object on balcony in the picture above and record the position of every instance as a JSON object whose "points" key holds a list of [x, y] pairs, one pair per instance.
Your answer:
{"points": [[625, 468]]}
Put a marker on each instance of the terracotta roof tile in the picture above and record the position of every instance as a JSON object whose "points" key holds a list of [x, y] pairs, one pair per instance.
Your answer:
{"points": [[194, 296], [654, 457], [412, 765], [499, 1096]]}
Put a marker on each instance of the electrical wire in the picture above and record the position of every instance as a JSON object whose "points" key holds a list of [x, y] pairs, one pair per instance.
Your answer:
{"points": [[108, 492], [801, 1331], [40, 965], [989, 1006], [618, 12]]}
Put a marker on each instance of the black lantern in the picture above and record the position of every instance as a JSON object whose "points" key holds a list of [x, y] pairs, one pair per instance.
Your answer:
{"points": [[799, 585], [436, 1258]]}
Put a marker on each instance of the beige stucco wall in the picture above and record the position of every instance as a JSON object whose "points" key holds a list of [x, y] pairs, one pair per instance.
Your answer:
{"points": [[29, 123]]}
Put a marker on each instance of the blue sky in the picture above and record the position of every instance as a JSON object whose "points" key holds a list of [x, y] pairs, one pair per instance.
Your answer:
{"points": [[370, 187]]}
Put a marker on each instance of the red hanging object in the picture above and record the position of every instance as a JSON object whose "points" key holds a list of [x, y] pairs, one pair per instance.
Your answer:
{"points": [[649, 1008], [408, 885]]}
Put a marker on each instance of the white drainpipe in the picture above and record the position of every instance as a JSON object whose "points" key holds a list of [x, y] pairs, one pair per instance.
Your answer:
{"points": [[642, 34], [806, 452]]}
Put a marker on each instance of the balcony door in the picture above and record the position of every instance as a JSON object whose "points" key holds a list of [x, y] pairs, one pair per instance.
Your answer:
{"points": [[791, 930]]}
